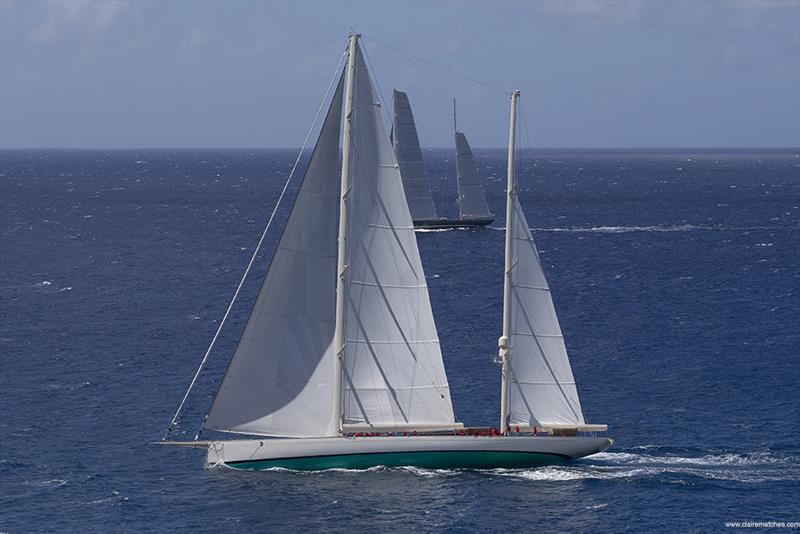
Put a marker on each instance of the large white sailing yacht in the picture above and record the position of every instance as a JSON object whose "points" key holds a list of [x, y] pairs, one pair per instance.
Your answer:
{"points": [[339, 364]]}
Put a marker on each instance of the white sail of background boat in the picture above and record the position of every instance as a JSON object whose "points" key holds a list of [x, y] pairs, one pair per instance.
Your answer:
{"points": [[340, 353], [472, 207]]}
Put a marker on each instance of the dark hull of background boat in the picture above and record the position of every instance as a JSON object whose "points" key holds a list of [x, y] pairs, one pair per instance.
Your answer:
{"points": [[435, 224]]}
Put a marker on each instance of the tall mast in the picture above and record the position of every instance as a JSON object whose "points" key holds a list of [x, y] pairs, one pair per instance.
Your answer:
{"points": [[341, 265], [455, 141], [503, 342]]}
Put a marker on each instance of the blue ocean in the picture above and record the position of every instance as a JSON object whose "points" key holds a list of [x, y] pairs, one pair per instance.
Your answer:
{"points": [[675, 274]]}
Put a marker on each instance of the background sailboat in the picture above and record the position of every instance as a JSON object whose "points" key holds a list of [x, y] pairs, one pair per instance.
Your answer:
{"points": [[340, 352], [472, 207]]}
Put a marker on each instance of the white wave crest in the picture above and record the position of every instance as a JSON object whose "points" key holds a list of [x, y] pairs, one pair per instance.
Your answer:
{"points": [[565, 474], [652, 228], [626, 229], [707, 460], [221, 465], [52, 483], [430, 230], [428, 473]]}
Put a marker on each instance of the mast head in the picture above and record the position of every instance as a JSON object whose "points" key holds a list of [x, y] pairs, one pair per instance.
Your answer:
{"points": [[515, 93], [352, 43]]}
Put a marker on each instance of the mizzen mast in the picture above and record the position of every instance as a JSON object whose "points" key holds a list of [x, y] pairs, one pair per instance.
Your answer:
{"points": [[503, 342]]}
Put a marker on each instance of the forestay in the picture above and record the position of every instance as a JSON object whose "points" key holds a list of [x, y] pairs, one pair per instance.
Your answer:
{"points": [[471, 198], [280, 379], [542, 389], [409, 157], [393, 371]]}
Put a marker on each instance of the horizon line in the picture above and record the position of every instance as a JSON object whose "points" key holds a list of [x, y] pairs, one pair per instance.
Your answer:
{"points": [[762, 147]]}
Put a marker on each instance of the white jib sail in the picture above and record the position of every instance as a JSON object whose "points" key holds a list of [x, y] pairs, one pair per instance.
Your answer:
{"points": [[393, 370], [542, 390], [471, 198], [409, 157], [280, 379]]}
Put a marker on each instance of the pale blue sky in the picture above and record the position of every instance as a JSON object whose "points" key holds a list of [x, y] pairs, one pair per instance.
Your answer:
{"points": [[251, 74]]}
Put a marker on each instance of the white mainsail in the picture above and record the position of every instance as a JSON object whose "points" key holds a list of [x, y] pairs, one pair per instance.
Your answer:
{"points": [[394, 376], [542, 389], [471, 198], [409, 157], [280, 379]]}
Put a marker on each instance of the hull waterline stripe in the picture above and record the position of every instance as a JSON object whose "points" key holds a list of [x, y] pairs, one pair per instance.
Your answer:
{"points": [[432, 459]]}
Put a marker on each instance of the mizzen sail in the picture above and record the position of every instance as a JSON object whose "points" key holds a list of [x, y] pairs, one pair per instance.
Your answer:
{"points": [[280, 379], [542, 389]]}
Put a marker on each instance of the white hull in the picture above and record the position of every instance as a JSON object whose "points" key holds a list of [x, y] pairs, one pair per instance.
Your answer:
{"points": [[421, 451]]}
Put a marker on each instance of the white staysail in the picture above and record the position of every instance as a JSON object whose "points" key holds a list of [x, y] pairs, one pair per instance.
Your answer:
{"points": [[471, 198], [542, 390], [394, 376], [409, 157], [280, 380]]}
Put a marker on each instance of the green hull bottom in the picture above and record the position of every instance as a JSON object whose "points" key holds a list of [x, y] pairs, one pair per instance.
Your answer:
{"points": [[429, 460]]}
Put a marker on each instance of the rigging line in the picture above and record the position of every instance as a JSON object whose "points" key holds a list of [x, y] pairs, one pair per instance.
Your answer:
{"points": [[527, 135], [252, 259], [517, 142], [436, 65]]}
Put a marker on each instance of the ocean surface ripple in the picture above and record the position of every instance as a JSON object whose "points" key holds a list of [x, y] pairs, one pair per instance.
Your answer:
{"points": [[674, 273]]}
